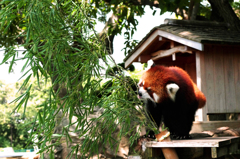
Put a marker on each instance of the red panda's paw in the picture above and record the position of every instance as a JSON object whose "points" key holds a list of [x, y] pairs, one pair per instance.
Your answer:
{"points": [[174, 136]]}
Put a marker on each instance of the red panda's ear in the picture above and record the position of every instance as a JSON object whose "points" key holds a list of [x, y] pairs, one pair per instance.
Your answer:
{"points": [[150, 64], [172, 89]]}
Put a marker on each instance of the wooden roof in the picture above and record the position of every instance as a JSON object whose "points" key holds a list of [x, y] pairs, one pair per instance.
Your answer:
{"points": [[193, 34]]}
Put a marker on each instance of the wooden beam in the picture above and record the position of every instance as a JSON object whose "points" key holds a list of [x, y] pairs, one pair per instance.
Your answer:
{"points": [[174, 57], [193, 44], [163, 39], [172, 44], [163, 53]]}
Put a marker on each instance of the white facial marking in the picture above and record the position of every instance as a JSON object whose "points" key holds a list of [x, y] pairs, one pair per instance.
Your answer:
{"points": [[143, 82], [140, 81], [156, 97], [144, 94], [172, 90]]}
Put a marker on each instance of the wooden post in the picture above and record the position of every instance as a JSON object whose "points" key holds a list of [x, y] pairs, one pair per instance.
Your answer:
{"points": [[200, 76], [169, 153]]}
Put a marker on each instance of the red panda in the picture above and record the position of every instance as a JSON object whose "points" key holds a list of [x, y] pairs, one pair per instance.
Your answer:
{"points": [[171, 96]]}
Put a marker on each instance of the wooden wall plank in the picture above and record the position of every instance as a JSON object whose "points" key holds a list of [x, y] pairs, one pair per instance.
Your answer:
{"points": [[236, 63], [209, 69], [219, 84], [230, 96]]}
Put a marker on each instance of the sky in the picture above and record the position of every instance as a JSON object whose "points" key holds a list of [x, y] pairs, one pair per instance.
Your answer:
{"points": [[146, 23], [12, 77]]}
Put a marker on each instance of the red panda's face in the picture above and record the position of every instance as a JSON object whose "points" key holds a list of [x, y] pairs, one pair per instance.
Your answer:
{"points": [[147, 92]]}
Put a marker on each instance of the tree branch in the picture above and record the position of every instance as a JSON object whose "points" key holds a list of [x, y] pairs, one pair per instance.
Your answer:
{"points": [[224, 9], [113, 20], [195, 10], [103, 34]]}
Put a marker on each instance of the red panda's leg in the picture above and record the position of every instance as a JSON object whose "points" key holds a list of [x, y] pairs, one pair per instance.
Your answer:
{"points": [[178, 118]]}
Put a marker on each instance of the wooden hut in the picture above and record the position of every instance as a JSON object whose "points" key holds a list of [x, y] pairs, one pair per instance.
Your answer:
{"points": [[208, 51]]}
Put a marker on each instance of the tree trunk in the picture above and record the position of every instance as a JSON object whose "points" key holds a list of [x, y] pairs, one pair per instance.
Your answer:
{"points": [[194, 10], [226, 12], [103, 34]]}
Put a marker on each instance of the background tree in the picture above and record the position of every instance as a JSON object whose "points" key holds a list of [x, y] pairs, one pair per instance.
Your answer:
{"points": [[124, 14], [14, 126], [61, 45]]}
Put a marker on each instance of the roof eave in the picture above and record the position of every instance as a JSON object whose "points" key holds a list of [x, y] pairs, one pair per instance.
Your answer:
{"points": [[160, 33], [141, 48], [193, 44]]}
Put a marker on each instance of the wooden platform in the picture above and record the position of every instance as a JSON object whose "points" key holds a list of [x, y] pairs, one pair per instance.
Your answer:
{"points": [[200, 126], [215, 147]]}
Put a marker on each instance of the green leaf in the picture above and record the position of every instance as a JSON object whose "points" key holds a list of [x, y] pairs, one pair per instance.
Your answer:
{"points": [[25, 81], [63, 51], [154, 12], [11, 64]]}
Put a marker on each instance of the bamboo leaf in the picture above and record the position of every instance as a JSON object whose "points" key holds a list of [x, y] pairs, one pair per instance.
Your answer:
{"points": [[25, 81], [25, 104], [25, 65], [11, 63], [40, 118]]}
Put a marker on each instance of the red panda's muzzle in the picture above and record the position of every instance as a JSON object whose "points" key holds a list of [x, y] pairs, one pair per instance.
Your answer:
{"points": [[144, 94], [139, 95]]}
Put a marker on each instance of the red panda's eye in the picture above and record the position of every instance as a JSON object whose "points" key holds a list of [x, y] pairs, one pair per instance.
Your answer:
{"points": [[140, 85]]}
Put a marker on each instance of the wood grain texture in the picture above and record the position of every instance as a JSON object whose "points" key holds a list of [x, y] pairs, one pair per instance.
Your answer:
{"points": [[209, 77], [236, 63], [163, 53], [219, 81], [230, 99]]}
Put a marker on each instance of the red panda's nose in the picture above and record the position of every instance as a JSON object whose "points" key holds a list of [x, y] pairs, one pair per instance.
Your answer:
{"points": [[139, 93]]}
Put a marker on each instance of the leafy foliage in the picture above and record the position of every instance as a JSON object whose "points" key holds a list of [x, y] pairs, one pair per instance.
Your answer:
{"points": [[236, 6], [62, 46], [14, 26], [15, 135], [13, 127]]}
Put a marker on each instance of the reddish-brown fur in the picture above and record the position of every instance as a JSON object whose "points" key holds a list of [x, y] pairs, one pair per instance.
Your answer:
{"points": [[158, 76], [171, 95]]}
